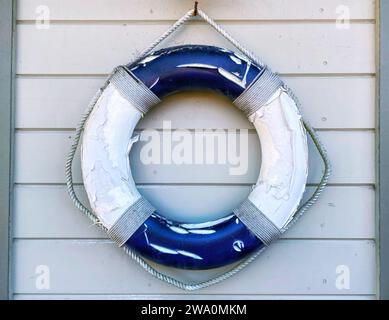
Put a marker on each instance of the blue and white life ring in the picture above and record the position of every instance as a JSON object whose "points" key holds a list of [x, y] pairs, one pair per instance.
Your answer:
{"points": [[107, 140]]}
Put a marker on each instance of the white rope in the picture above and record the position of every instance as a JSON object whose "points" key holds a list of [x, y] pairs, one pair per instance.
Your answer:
{"points": [[226, 35], [143, 263], [326, 161], [129, 252], [187, 16]]}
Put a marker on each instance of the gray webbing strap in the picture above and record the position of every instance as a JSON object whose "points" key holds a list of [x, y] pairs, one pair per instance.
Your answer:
{"points": [[134, 90], [130, 221], [259, 92], [257, 222]]}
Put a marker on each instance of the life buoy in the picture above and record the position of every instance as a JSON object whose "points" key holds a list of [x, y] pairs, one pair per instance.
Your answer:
{"points": [[108, 138]]}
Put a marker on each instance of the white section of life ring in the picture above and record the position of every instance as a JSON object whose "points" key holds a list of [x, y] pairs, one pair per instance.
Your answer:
{"points": [[105, 156], [284, 169], [107, 142]]}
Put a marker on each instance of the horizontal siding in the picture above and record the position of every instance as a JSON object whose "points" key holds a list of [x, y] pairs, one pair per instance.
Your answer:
{"points": [[333, 73], [40, 158], [45, 102], [92, 266], [218, 9], [313, 48], [45, 211]]}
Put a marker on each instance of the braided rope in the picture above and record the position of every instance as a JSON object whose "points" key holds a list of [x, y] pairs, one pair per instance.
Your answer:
{"points": [[226, 35], [70, 158], [326, 161], [143, 263], [187, 16]]}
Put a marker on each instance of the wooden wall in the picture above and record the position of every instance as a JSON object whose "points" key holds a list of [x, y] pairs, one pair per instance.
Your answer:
{"points": [[331, 69]]}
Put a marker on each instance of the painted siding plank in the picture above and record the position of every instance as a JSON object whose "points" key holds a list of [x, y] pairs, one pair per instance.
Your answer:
{"points": [[40, 158], [328, 102], [226, 10], [359, 170], [287, 267], [313, 48], [218, 9], [47, 212]]}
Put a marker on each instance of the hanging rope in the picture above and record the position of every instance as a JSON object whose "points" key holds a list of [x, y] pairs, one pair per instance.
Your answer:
{"points": [[145, 265]]}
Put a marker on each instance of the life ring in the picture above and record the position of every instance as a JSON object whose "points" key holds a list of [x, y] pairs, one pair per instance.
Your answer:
{"points": [[108, 137]]}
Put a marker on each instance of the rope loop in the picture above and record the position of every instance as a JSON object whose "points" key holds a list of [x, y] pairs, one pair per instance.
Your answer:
{"points": [[145, 265]]}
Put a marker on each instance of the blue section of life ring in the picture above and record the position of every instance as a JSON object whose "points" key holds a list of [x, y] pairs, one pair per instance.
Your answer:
{"points": [[195, 246]]}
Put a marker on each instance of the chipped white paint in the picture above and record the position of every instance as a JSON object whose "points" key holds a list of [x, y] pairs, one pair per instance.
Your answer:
{"points": [[205, 224], [196, 65], [284, 167], [234, 77], [106, 145], [148, 59], [108, 140], [235, 59]]}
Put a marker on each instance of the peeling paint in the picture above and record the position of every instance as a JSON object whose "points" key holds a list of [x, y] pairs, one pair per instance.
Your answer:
{"points": [[106, 173], [108, 140], [284, 167], [197, 65], [235, 59]]}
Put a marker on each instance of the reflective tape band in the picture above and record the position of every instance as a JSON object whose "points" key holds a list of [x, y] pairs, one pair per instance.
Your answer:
{"points": [[259, 92], [134, 90], [257, 222], [130, 221]]}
